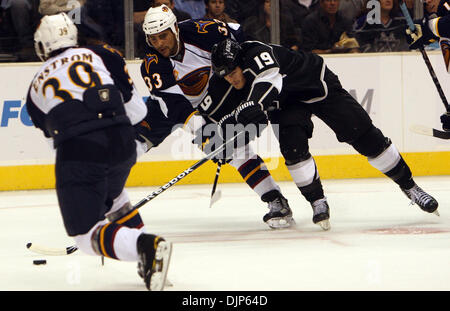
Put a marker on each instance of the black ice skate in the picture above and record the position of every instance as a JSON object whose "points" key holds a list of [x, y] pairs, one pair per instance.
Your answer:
{"points": [[280, 214], [425, 201], [154, 257], [321, 213]]}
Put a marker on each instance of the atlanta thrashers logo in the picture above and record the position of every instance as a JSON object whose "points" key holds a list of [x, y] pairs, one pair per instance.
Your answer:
{"points": [[445, 47]]}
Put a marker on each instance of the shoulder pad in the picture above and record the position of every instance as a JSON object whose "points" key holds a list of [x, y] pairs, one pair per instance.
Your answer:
{"points": [[157, 72], [204, 33]]}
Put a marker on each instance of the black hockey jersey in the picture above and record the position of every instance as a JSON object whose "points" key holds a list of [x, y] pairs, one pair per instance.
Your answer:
{"points": [[272, 72], [441, 26]]}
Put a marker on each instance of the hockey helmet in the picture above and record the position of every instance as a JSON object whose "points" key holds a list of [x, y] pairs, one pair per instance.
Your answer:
{"points": [[225, 57], [158, 19], [53, 33]]}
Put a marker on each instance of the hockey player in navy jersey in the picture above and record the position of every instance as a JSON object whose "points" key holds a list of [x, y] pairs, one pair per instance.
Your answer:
{"points": [[434, 26], [84, 101], [177, 69], [255, 82]]}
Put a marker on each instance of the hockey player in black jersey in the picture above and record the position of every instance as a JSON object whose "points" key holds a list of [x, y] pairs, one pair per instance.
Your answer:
{"points": [[269, 82], [177, 69], [84, 101], [434, 26]]}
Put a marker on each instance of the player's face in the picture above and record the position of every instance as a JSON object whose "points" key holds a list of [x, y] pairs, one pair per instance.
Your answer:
{"points": [[236, 78], [164, 42]]}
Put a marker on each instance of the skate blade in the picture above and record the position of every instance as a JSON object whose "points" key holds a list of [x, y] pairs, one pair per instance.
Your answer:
{"points": [[324, 224], [162, 257], [280, 223]]}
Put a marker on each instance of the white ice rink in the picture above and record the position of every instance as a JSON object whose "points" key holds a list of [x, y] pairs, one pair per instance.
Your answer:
{"points": [[377, 241]]}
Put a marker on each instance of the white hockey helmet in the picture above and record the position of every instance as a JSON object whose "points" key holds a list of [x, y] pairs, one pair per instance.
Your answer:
{"points": [[158, 19], [53, 33]]}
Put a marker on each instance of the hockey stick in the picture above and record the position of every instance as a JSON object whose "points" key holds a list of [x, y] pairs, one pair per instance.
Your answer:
{"points": [[215, 196], [428, 131], [420, 129], [412, 27], [69, 250]]}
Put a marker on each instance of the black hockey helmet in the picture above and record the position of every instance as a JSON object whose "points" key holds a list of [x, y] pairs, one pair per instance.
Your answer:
{"points": [[225, 57]]}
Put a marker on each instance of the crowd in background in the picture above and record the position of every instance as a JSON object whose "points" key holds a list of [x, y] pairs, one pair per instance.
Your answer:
{"points": [[321, 26]]}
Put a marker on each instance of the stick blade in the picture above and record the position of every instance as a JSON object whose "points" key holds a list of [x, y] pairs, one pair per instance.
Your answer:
{"points": [[43, 250], [422, 130], [215, 197]]}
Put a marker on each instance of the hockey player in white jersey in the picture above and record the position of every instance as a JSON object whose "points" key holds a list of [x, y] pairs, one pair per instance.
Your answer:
{"points": [[177, 69], [84, 101]]}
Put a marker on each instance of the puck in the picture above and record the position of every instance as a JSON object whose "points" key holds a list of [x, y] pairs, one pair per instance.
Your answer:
{"points": [[39, 262]]}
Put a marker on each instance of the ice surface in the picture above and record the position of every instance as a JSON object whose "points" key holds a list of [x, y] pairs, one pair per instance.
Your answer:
{"points": [[377, 241]]}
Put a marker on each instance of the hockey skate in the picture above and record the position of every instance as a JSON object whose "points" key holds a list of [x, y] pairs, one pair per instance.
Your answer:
{"points": [[154, 257], [425, 201], [321, 213], [280, 214]]}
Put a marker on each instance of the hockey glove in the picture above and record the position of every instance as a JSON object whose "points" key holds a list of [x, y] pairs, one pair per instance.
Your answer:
{"points": [[229, 128], [445, 119], [208, 139], [143, 133], [421, 36], [250, 112]]}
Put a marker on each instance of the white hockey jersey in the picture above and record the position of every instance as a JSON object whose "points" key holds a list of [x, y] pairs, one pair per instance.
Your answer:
{"points": [[66, 76]]}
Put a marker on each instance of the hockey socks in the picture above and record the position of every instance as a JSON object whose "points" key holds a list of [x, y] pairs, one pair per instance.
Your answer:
{"points": [[391, 163], [256, 175], [116, 241], [307, 179]]}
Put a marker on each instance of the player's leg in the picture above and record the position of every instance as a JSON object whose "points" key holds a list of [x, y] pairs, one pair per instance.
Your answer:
{"points": [[84, 186], [351, 123], [252, 169], [255, 173], [295, 128]]}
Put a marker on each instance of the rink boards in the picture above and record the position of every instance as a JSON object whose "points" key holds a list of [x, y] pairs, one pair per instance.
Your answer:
{"points": [[396, 90]]}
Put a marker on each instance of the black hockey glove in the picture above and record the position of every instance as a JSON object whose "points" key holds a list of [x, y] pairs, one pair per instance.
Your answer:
{"points": [[143, 133], [422, 35], [445, 119], [250, 112], [208, 139], [230, 128]]}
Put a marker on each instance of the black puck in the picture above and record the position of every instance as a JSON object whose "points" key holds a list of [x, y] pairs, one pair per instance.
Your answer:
{"points": [[39, 262]]}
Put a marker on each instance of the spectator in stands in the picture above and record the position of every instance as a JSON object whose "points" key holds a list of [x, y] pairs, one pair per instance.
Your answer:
{"points": [[384, 35], [298, 10], [81, 12], [353, 9], [195, 8], [215, 9], [258, 27], [109, 15], [19, 20], [241, 10], [327, 31]]}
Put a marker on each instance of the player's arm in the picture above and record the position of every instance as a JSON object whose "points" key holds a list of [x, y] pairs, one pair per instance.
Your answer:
{"points": [[268, 81], [37, 116], [440, 26], [114, 62]]}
